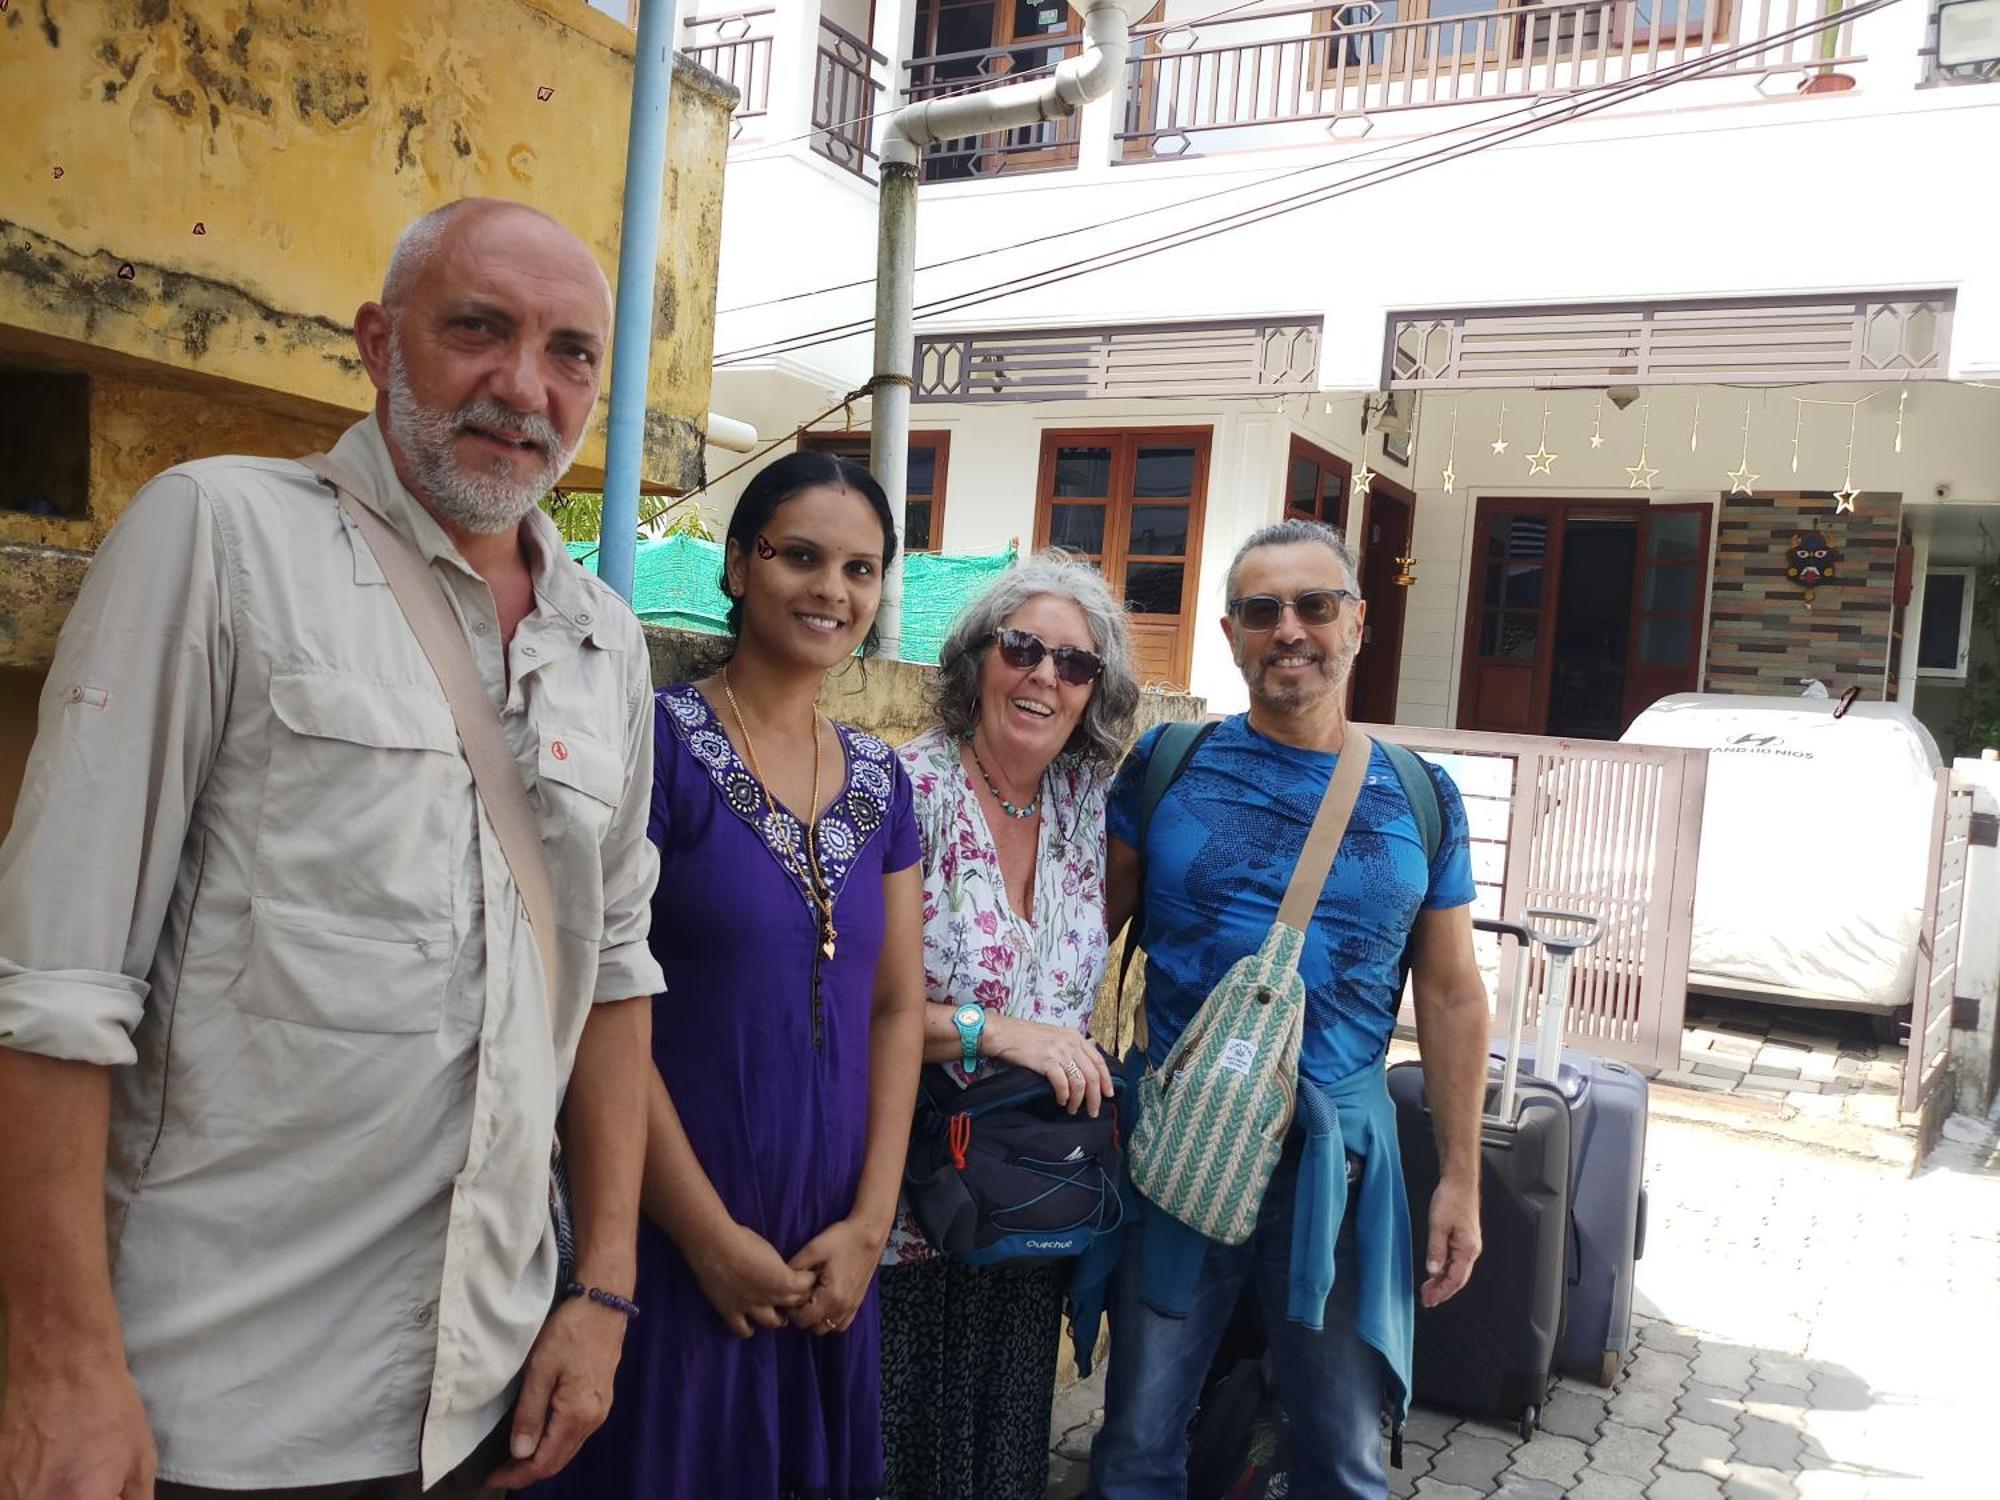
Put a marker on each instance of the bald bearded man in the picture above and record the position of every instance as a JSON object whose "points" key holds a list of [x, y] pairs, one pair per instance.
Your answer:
{"points": [[262, 954]]}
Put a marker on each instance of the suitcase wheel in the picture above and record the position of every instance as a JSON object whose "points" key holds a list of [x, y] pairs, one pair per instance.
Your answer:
{"points": [[1531, 1421]]}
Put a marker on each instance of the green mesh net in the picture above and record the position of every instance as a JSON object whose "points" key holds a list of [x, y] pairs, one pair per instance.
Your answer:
{"points": [[677, 582]]}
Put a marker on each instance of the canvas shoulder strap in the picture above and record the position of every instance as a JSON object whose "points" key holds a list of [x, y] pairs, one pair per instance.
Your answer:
{"points": [[495, 775], [1329, 827]]}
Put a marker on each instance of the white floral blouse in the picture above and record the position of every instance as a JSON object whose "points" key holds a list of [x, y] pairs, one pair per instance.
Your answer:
{"points": [[976, 947]]}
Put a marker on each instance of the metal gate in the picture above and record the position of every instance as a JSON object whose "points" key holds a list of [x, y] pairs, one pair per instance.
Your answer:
{"points": [[1926, 1071], [1594, 826]]}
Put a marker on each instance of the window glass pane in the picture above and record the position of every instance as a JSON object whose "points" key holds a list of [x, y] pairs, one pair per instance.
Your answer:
{"points": [[1522, 588], [1666, 638], [1669, 588], [1038, 17], [1159, 530], [1083, 472], [1944, 604], [1301, 481], [1164, 471], [1153, 588], [923, 470], [1509, 634], [917, 526], [1080, 528], [1676, 537]]}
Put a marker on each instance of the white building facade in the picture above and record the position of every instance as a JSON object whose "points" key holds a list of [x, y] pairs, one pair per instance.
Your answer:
{"points": [[1574, 316]]}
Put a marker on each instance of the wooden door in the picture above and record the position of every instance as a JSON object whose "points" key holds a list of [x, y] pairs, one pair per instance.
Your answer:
{"points": [[1131, 503], [1668, 598], [1510, 625], [1378, 670]]}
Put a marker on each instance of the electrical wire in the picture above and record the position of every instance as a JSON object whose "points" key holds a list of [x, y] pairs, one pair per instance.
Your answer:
{"points": [[1582, 104]]}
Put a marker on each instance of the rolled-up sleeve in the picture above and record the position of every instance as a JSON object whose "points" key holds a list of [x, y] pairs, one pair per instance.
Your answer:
{"points": [[125, 736], [625, 964]]}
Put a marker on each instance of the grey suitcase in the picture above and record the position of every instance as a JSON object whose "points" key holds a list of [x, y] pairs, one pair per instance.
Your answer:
{"points": [[1490, 1351], [1608, 1106]]}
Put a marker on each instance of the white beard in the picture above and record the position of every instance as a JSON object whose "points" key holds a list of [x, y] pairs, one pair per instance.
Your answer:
{"points": [[484, 503]]}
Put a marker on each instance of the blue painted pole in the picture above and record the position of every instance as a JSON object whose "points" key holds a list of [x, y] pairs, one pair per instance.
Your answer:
{"points": [[638, 265]]}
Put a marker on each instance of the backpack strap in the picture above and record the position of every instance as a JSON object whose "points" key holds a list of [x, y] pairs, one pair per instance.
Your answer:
{"points": [[1172, 751], [1421, 793]]}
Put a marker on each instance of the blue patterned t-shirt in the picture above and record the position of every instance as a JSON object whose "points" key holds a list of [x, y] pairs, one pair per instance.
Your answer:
{"points": [[1220, 852]]}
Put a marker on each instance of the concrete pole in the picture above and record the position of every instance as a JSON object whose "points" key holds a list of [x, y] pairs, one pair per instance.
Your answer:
{"points": [[895, 350], [638, 267]]}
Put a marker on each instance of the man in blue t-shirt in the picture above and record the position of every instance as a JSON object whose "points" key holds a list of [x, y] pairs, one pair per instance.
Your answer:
{"points": [[1219, 852]]}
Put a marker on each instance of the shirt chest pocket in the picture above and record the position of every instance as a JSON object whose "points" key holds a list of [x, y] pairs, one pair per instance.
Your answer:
{"points": [[581, 781], [367, 810]]}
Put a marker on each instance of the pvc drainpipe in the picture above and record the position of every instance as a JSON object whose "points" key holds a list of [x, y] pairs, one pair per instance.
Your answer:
{"points": [[730, 434], [1076, 81], [638, 265]]}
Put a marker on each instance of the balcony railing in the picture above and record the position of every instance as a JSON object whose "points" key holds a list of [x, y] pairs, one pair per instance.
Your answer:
{"points": [[1347, 62], [847, 84], [1045, 146], [737, 46]]}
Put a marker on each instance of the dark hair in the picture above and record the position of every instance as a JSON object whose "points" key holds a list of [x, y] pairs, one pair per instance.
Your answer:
{"points": [[778, 482]]}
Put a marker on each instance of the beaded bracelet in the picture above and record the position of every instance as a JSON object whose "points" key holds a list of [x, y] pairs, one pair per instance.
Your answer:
{"points": [[602, 1298]]}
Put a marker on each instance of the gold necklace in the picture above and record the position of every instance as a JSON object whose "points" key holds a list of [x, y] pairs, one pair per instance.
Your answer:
{"points": [[815, 882]]}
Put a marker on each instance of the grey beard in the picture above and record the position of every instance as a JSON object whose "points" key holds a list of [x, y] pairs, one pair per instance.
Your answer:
{"points": [[482, 503]]}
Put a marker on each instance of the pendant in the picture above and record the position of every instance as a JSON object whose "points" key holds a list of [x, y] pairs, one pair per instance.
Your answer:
{"points": [[826, 946], [828, 938]]}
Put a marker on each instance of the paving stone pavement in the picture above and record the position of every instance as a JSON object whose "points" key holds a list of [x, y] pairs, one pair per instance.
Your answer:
{"points": [[1813, 1326]]}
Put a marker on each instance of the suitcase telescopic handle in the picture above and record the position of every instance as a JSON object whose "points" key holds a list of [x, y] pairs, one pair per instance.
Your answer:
{"points": [[1510, 1066], [1562, 934]]}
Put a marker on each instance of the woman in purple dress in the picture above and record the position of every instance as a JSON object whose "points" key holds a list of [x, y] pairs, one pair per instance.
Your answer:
{"points": [[788, 920]]}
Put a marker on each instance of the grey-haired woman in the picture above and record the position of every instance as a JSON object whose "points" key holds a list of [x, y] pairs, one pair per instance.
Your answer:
{"points": [[1034, 705]]}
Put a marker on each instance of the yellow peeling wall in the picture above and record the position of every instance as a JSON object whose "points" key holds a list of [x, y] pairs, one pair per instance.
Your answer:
{"points": [[247, 167]]}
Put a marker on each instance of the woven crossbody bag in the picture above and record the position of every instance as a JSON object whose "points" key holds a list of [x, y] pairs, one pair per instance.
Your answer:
{"points": [[1213, 1116]]}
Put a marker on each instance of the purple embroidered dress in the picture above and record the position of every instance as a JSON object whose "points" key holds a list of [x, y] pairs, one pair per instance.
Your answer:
{"points": [[765, 1051]]}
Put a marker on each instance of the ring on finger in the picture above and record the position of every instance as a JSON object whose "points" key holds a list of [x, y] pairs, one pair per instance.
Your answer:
{"points": [[1072, 1069]]}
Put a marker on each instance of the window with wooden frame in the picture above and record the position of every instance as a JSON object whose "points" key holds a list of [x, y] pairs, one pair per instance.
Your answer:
{"points": [[1130, 501], [960, 44], [1316, 484], [924, 480]]}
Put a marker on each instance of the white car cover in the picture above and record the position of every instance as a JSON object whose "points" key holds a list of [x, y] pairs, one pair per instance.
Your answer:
{"points": [[1815, 835]]}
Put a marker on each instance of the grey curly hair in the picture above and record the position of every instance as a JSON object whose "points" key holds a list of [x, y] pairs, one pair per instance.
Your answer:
{"points": [[1104, 732], [1287, 533]]}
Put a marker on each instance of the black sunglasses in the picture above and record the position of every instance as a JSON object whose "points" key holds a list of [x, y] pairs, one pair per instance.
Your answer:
{"points": [[1024, 651], [1313, 607]]}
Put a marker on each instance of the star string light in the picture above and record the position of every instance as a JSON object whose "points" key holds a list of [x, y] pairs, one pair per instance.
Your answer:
{"points": [[1741, 478], [1847, 494], [1541, 461], [1597, 423], [1902, 400], [1500, 436], [1358, 485], [1798, 421], [1642, 474], [1450, 475], [1694, 432]]}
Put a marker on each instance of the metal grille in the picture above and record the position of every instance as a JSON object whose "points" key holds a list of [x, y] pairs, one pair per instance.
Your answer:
{"points": [[1608, 829], [1889, 336], [1924, 1072], [738, 47], [1190, 359]]}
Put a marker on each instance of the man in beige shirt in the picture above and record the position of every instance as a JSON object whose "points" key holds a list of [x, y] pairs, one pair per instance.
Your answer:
{"points": [[259, 948]]}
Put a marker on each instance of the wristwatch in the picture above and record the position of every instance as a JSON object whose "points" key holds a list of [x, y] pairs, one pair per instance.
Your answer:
{"points": [[970, 1020]]}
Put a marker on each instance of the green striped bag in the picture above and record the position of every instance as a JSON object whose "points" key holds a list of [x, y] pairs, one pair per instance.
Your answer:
{"points": [[1213, 1116]]}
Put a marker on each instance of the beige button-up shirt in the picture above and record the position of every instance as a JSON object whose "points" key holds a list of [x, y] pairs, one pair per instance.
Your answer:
{"points": [[249, 873]]}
